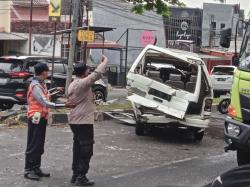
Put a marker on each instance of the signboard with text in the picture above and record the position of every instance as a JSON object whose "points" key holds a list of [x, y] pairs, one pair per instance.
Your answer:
{"points": [[86, 36], [147, 38], [55, 9]]}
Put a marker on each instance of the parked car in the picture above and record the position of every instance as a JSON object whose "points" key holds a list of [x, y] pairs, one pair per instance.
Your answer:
{"points": [[16, 73], [59, 80], [222, 79], [170, 88]]}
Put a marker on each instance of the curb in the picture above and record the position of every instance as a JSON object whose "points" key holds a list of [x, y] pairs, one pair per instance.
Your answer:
{"points": [[62, 118]]}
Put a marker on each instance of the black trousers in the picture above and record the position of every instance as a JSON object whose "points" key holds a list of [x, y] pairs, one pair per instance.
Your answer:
{"points": [[35, 144], [83, 140]]}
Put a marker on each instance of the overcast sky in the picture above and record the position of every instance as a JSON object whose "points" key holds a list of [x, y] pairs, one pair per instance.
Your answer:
{"points": [[244, 4]]}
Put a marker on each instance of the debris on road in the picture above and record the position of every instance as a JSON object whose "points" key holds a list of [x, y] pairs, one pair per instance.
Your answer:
{"points": [[11, 118], [122, 117]]}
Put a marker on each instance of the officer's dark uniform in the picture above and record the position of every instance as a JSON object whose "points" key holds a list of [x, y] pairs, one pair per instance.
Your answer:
{"points": [[81, 120], [38, 104]]}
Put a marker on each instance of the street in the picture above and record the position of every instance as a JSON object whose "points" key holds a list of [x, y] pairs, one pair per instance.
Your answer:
{"points": [[162, 158], [165, 83]]}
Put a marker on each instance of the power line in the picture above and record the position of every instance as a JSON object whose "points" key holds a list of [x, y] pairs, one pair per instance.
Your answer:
{"points": [[133, 19], [125, 8]]}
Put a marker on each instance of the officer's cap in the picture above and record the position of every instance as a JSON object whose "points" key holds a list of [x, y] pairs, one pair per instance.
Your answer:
{"points": [[41, 67], [80, 69]]}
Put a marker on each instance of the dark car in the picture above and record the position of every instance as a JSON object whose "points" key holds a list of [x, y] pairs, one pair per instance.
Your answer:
{"points": [[60, 75], [16, 73]]}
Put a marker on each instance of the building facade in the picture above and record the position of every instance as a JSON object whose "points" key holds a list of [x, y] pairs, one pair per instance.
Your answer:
{"points": [[217, 17], [118, 15], [42, 28], [183, 28]]}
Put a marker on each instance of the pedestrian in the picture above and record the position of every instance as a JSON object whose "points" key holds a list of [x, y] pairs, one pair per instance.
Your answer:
{"points": [[81, 119], [38, 105]]}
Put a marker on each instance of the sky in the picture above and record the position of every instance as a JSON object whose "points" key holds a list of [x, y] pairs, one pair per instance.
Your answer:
{"points": [[244, 4]]}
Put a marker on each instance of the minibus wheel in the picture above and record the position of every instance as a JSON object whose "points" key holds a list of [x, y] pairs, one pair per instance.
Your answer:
{"points": [[139, 128]]}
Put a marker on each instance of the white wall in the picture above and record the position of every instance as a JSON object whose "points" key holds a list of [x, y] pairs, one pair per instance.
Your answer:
{"points": [[5, 16]]}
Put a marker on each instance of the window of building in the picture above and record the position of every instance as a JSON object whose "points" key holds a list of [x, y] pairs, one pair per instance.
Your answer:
{"points": [[222, 26], [213, 24]]}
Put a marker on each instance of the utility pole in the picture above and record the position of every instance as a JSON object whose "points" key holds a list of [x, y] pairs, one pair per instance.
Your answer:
{"points": [[53, 56], [72, 49], [30, 26], [126, 56]]}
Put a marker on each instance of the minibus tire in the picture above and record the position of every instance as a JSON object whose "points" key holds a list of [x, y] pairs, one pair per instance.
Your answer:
{"points": [[139, 129], [198, 136]]}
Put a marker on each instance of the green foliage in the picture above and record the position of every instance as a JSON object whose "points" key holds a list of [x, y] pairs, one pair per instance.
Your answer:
{"points": [[159, 6]]}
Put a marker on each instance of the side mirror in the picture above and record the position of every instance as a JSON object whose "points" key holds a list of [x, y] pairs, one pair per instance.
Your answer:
{"points": [[225, 38], [236, 60]]}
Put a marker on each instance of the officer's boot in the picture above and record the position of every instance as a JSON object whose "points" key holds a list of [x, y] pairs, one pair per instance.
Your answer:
{"points": [[82, 180], [29, 172], [31, 175], [74, 177], [40, 173]]}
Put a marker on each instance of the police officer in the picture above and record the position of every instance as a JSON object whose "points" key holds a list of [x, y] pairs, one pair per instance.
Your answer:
{"points": [[38, 105], [81, 119]]}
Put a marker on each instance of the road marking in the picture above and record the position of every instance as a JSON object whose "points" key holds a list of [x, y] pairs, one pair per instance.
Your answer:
{"points": [[153, 167]]}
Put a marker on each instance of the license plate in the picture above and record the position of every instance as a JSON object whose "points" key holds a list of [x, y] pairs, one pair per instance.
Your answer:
{"points": [[3, 81], [221, 79]]}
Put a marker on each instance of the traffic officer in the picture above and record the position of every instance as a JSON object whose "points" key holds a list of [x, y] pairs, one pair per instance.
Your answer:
{"points": [[81, 119], [38, 105]]}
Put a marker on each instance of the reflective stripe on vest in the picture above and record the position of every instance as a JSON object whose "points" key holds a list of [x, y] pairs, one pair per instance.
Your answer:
{"points": [[34, 105]]}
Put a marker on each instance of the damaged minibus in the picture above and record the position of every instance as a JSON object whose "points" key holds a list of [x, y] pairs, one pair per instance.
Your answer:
{"points": [[170, 88]]}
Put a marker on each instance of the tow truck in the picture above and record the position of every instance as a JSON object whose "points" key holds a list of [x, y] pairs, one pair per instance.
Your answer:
{"points": [[237, 123]]}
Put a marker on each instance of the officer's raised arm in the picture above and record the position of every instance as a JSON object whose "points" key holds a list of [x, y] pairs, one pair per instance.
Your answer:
{"points": [[99, 71]]}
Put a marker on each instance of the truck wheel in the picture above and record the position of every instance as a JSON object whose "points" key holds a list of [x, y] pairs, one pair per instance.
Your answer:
{"points": [[6, 106], [198, 135], [243, 157], [139, 129]]}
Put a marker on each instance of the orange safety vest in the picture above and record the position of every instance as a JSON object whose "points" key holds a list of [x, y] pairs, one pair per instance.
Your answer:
{"points": [[34, 105]]}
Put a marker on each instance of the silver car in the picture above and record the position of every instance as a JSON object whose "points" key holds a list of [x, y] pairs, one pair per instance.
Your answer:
{"points": [[222, 78]]}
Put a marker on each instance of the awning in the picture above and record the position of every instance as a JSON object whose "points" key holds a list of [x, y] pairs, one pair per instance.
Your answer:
{"points": [[105, 45], [91, 28], [4, 36]]}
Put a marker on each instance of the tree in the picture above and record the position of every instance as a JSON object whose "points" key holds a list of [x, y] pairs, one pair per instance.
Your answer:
{"points": [[160, 6]]}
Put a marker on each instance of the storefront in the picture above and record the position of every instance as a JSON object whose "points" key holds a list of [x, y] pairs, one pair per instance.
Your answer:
{"points": [[8, 40]]}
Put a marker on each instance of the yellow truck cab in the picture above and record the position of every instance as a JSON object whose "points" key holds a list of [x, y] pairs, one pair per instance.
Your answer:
{"points": [[237, 124]]}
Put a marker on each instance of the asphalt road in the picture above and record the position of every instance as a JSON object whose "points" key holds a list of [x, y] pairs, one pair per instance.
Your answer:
{"points": [[121, 159], [117, 94]]}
